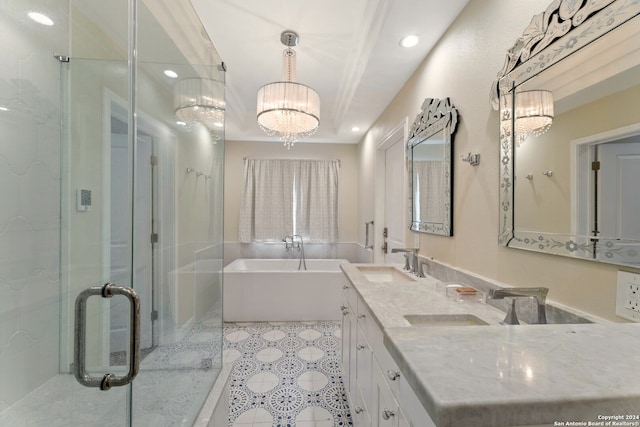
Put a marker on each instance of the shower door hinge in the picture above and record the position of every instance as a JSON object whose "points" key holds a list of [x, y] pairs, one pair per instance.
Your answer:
{"points": [[154, 160], [154, 237], [154, 315], [61, 58], [595, 166], [385, 232]]}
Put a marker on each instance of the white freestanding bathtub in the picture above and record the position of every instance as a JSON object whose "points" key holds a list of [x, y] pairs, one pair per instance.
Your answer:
{"points": [[274, 290]]}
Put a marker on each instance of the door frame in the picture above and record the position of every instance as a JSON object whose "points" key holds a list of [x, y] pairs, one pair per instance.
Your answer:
{"points": [[400, 132], [582, 178], [159, 132]]}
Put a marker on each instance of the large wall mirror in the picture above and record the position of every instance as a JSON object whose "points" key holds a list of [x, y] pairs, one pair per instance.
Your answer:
{"points": [[429, 150], [569, 105]]}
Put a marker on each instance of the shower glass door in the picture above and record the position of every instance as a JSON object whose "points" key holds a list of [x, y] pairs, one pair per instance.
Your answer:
{"points": [[94, 194], [54, 223]]}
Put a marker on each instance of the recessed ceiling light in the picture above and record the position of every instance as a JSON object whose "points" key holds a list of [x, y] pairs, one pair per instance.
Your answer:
{"points": [[3, 108], [40, 18], [410, 41], [355, 129], [181, 123], [171, 73]]}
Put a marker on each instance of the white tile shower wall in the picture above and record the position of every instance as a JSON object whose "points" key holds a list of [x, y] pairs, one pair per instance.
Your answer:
{"points": [[30, 177], [354, 252]]}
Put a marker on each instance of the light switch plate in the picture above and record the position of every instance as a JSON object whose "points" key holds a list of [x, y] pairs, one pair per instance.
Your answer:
{"points": [[628, 296]]}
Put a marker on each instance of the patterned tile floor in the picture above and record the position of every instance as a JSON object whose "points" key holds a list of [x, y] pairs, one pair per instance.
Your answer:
{"points": [[286, 375]]}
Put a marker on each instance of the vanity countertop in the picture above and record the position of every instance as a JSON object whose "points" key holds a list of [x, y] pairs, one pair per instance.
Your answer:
{"points": [[498, 375]]}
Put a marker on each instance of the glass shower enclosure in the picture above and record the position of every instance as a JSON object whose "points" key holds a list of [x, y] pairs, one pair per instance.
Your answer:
{"points": [[111, 193]]}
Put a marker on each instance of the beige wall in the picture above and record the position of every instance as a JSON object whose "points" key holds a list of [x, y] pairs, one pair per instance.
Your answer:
{"points": [[235, 151], [462, 66]]}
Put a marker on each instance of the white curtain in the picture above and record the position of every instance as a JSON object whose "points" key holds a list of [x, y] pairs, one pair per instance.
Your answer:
{"points": [[283, 197], [266, 208], [317, 200], [431, 178]]}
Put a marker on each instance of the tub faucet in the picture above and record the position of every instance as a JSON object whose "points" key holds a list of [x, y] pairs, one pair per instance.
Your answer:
{"points": [[540, 294], [409, 252], [295, 242]]}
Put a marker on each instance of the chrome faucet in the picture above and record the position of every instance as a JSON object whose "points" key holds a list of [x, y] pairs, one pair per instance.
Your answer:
{"points": [[409, 252], [540, 294], [295, 242]]}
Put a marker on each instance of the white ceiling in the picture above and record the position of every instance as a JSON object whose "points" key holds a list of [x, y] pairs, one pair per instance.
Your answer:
{"points": [[349, 52]]}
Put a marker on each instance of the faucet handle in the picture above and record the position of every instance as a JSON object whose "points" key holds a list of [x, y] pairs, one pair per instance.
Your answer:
{"points": [[421, 265], [407, 265]]}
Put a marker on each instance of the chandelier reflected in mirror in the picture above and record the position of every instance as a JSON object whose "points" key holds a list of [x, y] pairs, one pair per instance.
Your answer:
{"points": [[286, 108], [533, 113], [199, 100]]}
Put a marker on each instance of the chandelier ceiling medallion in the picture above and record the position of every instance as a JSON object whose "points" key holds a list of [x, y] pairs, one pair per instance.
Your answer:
{"points": [[286, 108]]}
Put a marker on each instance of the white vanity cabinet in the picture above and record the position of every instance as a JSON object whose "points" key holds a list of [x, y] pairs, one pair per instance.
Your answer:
{"points": [[379, 396]]}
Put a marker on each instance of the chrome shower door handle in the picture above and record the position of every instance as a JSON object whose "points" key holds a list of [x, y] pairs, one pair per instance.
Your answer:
{"points": [[80, 347]]}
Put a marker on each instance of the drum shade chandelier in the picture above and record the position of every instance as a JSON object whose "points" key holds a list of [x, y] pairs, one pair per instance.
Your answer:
{"points": [[198, 100], [533, 112], [286, 108]]}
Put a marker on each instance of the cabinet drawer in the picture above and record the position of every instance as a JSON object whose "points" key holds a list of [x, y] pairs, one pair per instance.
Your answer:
{"points": [[359, 413], [350, 293], [401, 390], [368, 325], [390, 370], [364, 366]]}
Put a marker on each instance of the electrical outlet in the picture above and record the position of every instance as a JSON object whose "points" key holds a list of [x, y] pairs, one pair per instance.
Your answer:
{"points": [[628, 295], [631, 301]]}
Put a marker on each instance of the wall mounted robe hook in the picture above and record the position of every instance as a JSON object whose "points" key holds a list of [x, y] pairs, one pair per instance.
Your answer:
{"points": [[529, 177], [548, 173], [473, 159], [189, 170]]}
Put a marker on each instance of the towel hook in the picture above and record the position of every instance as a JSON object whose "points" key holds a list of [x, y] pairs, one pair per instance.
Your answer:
{"points": [[472, 159]]}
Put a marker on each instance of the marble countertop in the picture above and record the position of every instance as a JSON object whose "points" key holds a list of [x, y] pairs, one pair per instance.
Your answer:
{"points": [[498, 375]]}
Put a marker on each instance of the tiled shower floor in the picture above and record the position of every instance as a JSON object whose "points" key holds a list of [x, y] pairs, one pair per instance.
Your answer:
{"points": [[286, 375], [168, 391]]}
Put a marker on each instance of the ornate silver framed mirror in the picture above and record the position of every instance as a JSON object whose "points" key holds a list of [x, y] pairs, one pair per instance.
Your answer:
{"points": [[429, 150], [568, 185]]}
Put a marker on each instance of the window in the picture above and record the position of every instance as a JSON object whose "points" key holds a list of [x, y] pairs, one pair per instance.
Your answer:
{"points": [[284, 197]]}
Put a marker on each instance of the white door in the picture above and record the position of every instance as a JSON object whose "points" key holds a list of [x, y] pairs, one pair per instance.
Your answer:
{"points": [[619, 196], [394, 199], [120, 239], [619, 192]]}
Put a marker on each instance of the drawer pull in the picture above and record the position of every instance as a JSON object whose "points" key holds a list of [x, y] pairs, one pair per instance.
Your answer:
{"points": [[345, 312], [343, 307], [387, 414], [358, 410], [362, 316], [345, 287], [360, 347], [393, 375]]}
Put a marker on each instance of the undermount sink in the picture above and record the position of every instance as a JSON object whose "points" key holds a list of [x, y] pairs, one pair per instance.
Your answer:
{"points": [[444, 320], [383, 273]]}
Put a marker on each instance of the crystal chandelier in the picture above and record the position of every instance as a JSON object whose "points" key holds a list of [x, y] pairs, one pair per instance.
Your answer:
{"points": [[533, 113], [288, 109], [199, 101]]}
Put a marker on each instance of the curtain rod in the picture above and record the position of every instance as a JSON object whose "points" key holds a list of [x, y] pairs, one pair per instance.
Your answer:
{"points": [[275, 158]]}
